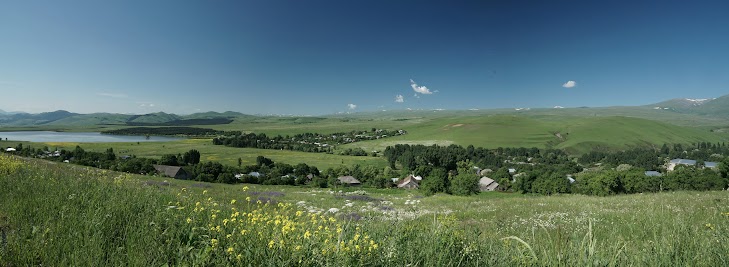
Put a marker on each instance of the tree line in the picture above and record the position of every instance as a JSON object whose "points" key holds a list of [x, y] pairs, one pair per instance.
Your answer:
{"points": [[166, 131], [306, 142]]}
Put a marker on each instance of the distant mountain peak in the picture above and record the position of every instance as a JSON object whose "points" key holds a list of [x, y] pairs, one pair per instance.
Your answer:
{"points": [[698, 101]]}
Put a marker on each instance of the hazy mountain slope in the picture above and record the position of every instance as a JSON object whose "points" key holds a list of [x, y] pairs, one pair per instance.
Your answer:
{"points": [[35, 119], [712, 107], [159, 117], [93, 119]]}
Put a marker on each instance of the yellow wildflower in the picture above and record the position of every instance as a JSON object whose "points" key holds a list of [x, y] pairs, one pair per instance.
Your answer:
{"points": [[230, 250], [248, 199], [307, 235], [213, 242], [245, 188], [238, 257], [189, 220], [271, 243], [232, 201], [205, 192]]}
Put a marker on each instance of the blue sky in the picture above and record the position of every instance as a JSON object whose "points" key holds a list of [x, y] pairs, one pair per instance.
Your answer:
{"points": [[322, 57]]}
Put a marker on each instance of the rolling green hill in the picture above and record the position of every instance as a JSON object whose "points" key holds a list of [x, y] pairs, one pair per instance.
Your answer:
{"points": [[574, 134]]}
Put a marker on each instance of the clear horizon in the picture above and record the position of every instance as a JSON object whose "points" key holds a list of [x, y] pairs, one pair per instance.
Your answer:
{"points": [[328, 57]]}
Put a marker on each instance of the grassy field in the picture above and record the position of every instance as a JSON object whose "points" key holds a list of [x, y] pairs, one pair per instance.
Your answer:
{"points": [[568, 129], [58, 214], [210, 152]]}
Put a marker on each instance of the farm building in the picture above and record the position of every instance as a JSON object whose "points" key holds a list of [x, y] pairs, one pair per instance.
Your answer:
{"points": [[176, 172], [349, 180], [410, 182], [487, 184], [653, 173], [710, 164], [675, 162]]}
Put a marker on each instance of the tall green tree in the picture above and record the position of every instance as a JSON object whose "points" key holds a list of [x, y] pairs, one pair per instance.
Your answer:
{"points": [[191, 157], [466, 182], [435, 182]]}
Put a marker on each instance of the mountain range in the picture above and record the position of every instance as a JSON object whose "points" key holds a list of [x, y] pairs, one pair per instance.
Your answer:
{"points": [[683, 111]]}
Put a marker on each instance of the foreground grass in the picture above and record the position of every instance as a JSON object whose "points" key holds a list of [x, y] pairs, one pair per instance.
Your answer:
{"points": [[57, 214]]}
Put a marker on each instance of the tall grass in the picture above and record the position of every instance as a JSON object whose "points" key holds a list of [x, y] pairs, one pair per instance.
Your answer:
{"points": [[61, 215]]}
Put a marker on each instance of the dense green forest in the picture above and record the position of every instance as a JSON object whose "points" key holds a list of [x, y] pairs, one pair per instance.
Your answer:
{"points": [[186, 122], [185, 131], [306, 142]]}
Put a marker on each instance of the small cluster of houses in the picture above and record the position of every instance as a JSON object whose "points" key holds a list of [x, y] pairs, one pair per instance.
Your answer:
{"points": [[413, 181], [671, 165]]}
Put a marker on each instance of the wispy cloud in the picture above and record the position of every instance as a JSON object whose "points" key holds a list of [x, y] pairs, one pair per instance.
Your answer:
{"points": [[146, 105], [112, 95], [352, 106], [569, 84], [399, 99], [420, 89]]}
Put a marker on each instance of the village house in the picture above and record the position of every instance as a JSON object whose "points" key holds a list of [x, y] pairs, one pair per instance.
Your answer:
{"points": [[410, 182], [349, 180], [487, 184], [711, 164], [675, 162], [653, 174], [176, 172]]}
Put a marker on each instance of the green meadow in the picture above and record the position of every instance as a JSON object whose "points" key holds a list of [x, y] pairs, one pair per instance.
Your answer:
{"points": [[65, 215], [210, 152]]}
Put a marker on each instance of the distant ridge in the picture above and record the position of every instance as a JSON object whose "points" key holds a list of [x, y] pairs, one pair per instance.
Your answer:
{"points": [[65, 118], [682, 111], [715, 107]]}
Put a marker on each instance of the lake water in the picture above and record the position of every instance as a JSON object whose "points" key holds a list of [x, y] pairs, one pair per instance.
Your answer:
{"points": [[81, 137]]}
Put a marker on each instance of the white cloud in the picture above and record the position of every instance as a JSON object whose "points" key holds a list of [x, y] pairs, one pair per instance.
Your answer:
{"points": [[420, 89], [112, 95], [399, 99], [352, 106], [569, 84]]}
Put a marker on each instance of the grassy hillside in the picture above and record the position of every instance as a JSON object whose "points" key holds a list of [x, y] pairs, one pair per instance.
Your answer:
{"points": [[584, 135], [64, 215], [575, 134]]}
